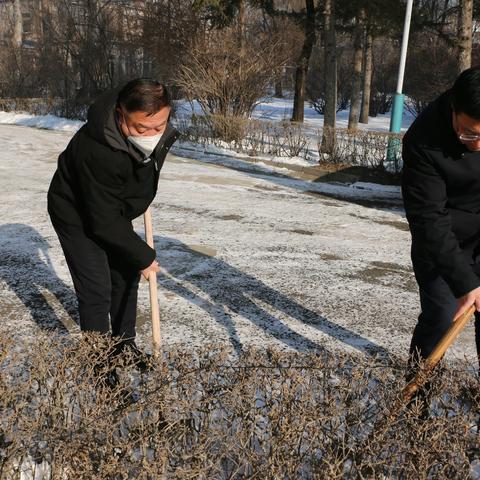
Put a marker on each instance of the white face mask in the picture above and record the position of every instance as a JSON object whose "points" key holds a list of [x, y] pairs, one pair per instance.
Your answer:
{"points": [[145, 144]]}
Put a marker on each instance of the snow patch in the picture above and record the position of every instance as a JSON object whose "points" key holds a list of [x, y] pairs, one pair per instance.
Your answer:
{"points": [[48, 122]]}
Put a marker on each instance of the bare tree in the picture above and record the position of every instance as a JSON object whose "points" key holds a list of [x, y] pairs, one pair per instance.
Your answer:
{"points": [[367, 78], [357, 69], [231, 91], [18, 25], [303, 61], [421, 84], [286, 19], [328, 138], [465, 28], [17, 68], [170, 30]]}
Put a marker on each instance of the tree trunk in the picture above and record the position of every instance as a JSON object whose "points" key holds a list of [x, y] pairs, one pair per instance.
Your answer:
{"points": [[329, 122], [278, 89], [241, 25], [303, 61], [237, 107], [443, 21], [357, 71], [367, 79], [465, 24], [18, 25], [278, 83]]}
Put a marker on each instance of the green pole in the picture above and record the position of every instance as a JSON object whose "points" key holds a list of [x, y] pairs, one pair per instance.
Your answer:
{"points": [[393, 149]]}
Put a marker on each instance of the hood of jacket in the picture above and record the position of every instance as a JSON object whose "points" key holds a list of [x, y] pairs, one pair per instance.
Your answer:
{"points": [[103, 125]]}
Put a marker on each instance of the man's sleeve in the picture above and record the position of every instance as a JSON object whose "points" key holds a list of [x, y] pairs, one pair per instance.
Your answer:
{"points": [[425, 199], [102, 184]]}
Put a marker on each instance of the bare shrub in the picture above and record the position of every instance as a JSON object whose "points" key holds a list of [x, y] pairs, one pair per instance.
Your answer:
{"points": [[249, 136], [226, 128], [42, 106], [295, 140], [207, 414], [286, 139], [226, 78], [362, 147]]}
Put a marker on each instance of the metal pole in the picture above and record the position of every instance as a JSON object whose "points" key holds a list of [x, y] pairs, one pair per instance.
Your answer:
{"points": [[399, 99], [403, 52]]}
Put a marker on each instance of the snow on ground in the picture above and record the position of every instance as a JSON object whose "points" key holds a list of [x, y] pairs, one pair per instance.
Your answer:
{"points": [[49, 122], [248, 257], [278, 109]]}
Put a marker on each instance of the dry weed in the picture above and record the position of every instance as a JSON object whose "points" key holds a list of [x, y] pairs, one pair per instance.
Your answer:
{"points": [[210, 415]]}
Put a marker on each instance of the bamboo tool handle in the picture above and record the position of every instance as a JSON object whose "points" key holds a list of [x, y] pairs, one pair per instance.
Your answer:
{"points": [[152, 282], [437, 354], [421, 377]]}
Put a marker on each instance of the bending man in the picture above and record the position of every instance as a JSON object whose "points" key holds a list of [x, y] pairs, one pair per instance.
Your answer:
{"points": [[106, 177], [441, 191]]}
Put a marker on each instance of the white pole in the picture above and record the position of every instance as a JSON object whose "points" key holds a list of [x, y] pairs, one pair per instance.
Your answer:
{"points": [[403, 52]]}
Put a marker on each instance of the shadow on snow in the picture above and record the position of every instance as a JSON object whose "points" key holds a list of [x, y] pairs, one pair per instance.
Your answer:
{"points": [[27, 270], [224, 291], [220, 289]]}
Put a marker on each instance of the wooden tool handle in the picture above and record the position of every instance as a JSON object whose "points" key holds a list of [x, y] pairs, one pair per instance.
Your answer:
{"points": [[437, 354], [152, 280]]}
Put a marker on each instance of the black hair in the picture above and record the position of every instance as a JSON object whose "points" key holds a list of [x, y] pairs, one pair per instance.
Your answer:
{"points": [[466, 93], [144, 95]]}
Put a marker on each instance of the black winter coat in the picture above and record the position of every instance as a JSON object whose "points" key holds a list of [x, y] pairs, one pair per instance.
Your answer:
{"points": [[102, 183], [441, 193]]}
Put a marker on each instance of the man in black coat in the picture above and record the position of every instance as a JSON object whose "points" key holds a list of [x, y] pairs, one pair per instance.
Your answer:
{"points": [[441, 192], [106, 177]]}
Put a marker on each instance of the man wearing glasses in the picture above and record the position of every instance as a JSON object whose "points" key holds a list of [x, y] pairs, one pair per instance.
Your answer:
{"points": [[441, 193]]}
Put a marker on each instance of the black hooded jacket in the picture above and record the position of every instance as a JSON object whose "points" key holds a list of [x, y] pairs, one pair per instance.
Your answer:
{"points": [[441, 193], [102, 183]]}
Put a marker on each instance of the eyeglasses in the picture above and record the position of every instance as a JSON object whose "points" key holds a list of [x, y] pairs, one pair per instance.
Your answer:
{"points": [[466, 137]]}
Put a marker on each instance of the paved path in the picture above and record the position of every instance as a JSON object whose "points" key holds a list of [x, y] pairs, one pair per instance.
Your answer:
{"points": [[248, 258]]}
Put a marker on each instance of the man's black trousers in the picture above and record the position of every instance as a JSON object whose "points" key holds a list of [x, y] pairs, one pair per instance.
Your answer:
{"points": [[106, 286], [438, 305]]}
